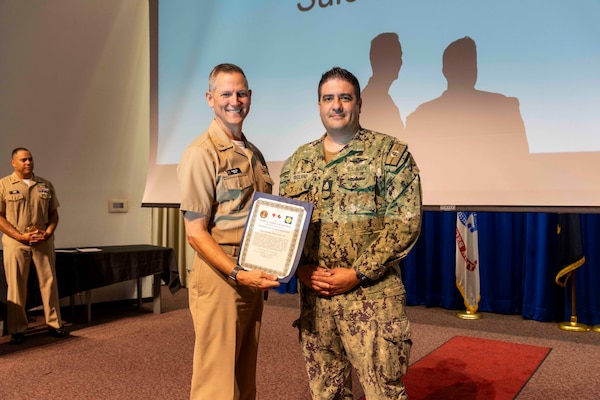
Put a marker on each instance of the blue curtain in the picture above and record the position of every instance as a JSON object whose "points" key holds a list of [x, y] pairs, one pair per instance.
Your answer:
{"points": [[517, 258]]}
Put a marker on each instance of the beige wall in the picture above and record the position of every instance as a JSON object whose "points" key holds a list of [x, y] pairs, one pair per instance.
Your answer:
{"points": [[74, 89]]}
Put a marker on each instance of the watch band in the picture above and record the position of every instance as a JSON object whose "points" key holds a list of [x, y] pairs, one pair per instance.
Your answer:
{"points": [[233, 274], [363, 278]]}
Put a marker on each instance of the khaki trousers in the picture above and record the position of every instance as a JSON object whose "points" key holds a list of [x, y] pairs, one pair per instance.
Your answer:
{"points": [[17, 263], [226, 321]]}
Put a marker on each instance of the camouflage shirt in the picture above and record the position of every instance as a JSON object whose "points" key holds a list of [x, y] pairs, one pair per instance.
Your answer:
{"points": [[367, 202]]}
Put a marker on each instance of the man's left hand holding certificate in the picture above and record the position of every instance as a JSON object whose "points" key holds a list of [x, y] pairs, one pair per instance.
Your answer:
{"points": [[274, 235]]}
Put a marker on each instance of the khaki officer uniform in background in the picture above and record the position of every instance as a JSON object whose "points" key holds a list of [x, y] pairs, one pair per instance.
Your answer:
{"points": [[218, 179], [27, 207], [367, 216]]}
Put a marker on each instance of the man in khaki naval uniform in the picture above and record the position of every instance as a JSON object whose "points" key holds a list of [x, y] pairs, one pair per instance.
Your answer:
{"points": [[28, 219], [218, 175], [367, 195]]}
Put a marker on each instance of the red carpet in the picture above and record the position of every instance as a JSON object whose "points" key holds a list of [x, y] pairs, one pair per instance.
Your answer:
{"points": [[469, 368]]}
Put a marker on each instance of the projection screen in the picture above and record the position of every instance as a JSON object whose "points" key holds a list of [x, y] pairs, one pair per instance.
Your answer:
{"points": [[514, 124]]}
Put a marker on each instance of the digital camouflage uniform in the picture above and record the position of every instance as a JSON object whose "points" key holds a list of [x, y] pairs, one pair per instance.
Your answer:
{"points": [[367, 216]]}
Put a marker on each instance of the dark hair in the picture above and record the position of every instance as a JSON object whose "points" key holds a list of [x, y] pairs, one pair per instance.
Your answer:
{"points": [[340, 73], [226, 68], [18, 149]]}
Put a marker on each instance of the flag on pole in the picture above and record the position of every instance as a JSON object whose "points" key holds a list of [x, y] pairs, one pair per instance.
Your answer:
{"points": [[467, 259], [570, 247]]}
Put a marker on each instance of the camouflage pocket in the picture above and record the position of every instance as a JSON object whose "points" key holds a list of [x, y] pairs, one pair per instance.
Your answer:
{"points": [[357, 193], [395, 345]]}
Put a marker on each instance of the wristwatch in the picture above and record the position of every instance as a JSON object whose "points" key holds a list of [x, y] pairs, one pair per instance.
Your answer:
{"points": [[363, 278], [233, 274]]}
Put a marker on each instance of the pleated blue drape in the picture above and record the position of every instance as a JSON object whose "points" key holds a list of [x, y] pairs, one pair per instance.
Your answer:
{"points": [[517, 258]]}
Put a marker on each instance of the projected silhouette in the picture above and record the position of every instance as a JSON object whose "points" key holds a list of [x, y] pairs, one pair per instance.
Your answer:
{"points": [[379, 112], [464, 112]]}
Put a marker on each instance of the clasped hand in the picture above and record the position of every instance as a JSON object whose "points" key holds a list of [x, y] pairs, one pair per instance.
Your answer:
{"points": [[327, 282], [34, 237]]}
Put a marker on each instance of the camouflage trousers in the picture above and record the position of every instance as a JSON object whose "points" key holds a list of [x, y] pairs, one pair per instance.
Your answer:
{"points": [[373, 336]]}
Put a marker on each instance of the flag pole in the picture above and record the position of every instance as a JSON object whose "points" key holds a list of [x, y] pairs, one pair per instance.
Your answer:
{"points": [[573, 325], [467, 264], [469, 315]]}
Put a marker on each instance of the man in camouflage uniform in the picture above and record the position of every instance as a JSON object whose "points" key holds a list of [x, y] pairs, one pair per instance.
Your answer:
{"points": [[367, 195]]}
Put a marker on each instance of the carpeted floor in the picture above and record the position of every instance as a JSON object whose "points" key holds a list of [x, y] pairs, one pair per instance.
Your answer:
{"points": [[471, 368], [130, 353]]}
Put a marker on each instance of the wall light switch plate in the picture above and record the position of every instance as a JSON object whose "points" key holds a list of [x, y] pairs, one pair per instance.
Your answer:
{"points": [[118, 206]]}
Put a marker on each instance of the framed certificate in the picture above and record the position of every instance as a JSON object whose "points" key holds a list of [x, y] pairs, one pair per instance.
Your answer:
{"points": [[274, 235]]}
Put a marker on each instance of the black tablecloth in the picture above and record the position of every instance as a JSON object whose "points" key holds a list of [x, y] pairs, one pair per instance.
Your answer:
{"points": [[79, 271]]}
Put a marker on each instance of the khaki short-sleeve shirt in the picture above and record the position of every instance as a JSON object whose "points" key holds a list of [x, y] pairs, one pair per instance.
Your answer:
{"points": [[218, 179], [27, 206]]}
